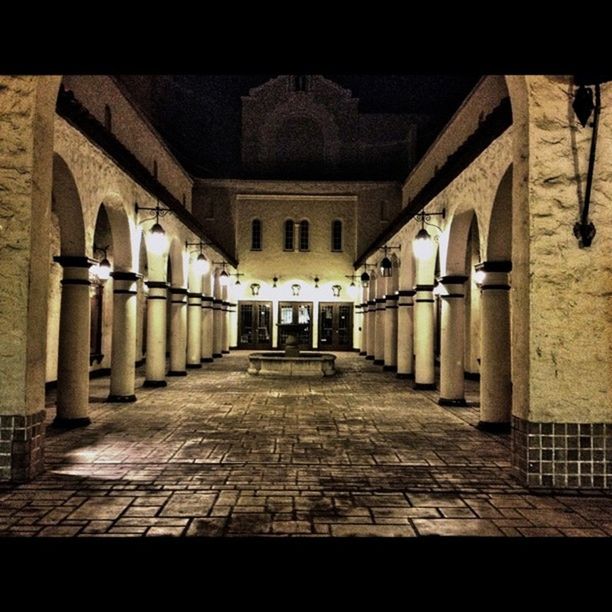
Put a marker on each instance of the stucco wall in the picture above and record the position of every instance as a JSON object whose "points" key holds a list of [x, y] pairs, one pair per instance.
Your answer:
{"points": [[132, 129]]}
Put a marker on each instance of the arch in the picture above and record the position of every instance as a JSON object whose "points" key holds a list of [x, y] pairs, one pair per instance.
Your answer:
{"points": [[120, 230], [289, 235], [256, 231], [336, 235], [458, 235], [499, 238], [66, 204], [304, 237]]}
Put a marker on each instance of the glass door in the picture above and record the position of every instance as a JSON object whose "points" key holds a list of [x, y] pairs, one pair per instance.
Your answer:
{"points": [[255, 325], [336, 326], [295, 312]]}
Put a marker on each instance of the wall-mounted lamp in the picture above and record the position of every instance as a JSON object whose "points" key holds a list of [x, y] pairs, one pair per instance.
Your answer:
{"points": [[336, 290], [237, 275], [295, 289], [386, 266], [352, 288], [224, 277], [422, 245], [157, 239], [202, 264], [255, 288], [274, 281], [583, 107], [103, 269], [316, 282], [365, 277], [479, 276]]}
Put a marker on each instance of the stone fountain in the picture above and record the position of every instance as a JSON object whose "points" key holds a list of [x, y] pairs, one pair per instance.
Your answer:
{"points": [[292, 362]]}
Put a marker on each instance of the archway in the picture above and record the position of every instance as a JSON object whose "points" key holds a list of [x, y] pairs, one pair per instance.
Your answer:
{"points": [[496, 380]]}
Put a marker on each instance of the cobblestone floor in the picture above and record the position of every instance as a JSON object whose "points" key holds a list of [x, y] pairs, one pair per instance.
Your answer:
{"points": [[223, 453]]}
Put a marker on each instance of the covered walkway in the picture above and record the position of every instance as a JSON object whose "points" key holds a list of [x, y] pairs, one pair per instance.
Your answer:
{"points": [[223, 453]]}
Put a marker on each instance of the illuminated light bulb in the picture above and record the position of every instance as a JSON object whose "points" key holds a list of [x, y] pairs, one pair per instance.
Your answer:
{"points": [[479, 277], [103, 270], [385, 267], [422, 245], [202, 264], [224, 278], [157, 239]]}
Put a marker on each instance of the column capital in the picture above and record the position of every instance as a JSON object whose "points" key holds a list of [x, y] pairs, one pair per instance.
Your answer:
{"points": [[178, 290], [423, 287], [494, 266], [406, 292], [156, 284], [74, 261], [127, 276], [452, 279]]}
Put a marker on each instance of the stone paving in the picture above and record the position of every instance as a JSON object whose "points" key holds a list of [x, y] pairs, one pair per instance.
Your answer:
{"points": [[221, 453]]}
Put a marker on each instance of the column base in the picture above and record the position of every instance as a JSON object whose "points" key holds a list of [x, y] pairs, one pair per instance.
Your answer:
{"points": [[25, 438], [370, 357], [379, 361], [217, 355], [194, 366], [177, 373], [405, 375], [471, 376], [225, 352], [451, 402], [62, 423], [390, 368], [362, 353], [154, 383], [207, 360], [121, 398], [493, 427], [424, 386]]}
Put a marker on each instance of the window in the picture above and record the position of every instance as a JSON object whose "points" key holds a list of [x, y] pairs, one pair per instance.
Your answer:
{"points": [[336, 244], [256, 235], [304, 235], [289, 235]]}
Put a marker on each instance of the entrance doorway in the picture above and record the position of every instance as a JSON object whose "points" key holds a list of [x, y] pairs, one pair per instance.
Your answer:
{"points": [[296, 312], [255, 325], [336, 326]]}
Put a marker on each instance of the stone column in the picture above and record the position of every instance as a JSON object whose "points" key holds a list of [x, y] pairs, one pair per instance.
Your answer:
{"points": [[123, 350], [452, 341], [390, 348], [207, 332], [194, 318], [233, 323], [379, 321], [364, 333], [357, 327], [371, 328], [424, 371], [178, 332], [155, 368], [405, 331], [73, 355], [495, 375], [225, 344], [218, 328]]}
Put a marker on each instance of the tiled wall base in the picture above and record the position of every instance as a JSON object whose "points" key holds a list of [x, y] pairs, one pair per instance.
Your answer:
{"points": [[562, 455], [21, 446]]}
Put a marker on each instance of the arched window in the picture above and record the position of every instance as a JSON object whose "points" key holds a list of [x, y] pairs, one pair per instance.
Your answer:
{"points": [[336, 237], [256, 235], [108, 118], [288, 238], [304, 231]]}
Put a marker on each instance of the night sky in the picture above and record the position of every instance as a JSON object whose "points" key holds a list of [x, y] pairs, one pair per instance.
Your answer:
{"points": [[200, 115]]}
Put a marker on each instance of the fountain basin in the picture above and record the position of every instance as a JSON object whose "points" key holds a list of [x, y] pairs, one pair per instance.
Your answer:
{"points": [[278, 364]]}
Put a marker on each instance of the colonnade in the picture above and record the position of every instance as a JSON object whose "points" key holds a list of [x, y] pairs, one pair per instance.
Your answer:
{"points": [[399, 330], [198, 322]]}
